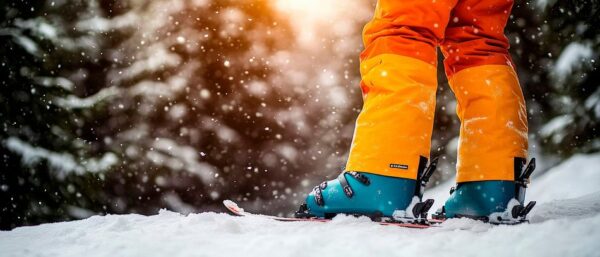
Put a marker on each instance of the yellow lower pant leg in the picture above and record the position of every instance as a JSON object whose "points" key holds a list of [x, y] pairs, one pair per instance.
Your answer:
{"points": [[394, 127], [493, 118]]}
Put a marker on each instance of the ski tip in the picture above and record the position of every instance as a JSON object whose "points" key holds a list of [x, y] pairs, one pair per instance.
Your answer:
{"points": [[232, 206]]}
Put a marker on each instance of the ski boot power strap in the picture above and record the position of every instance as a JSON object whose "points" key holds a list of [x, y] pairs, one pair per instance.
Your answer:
{"points": [[318, 190]]}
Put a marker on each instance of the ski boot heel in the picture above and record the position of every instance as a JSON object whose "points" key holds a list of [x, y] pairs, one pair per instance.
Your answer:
{"points": [[497, 202], [381, 198]]}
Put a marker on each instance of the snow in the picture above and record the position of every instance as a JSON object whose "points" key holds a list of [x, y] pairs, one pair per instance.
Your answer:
{"points": [[571, 58], [61, 163], [156, 58], [542, 4], [39, 26], [593, 103], [74, 102], [59, 82], [28, 45], [179, 157], [100, 24], [576, 177], [556, 127], [566, 222]]}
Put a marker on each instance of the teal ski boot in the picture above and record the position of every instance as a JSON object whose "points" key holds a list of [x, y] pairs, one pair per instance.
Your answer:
{"points": [[497, 202], [381, 198]]}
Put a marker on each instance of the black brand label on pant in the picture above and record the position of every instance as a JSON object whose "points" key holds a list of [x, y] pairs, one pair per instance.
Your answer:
{"points": [[398, 166]]}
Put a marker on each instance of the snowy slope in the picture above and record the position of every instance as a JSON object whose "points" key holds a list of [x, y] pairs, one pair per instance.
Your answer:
{"points": [[554, 230]]}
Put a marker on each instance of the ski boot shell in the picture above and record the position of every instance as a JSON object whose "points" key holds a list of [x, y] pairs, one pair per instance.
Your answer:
{"points": [[498, 202], [381, 196], [372, 195], [479, 198]]}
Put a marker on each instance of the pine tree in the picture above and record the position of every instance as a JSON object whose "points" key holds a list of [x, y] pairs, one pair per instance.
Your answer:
{"points": [[557, 46], [51, 165], [571, 28], [197, 113]]}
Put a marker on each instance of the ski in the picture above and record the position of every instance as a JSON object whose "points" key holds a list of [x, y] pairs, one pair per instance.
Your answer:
{"points": [[238, 211]]}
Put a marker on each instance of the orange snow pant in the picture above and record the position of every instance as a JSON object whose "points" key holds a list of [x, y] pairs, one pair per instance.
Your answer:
{"points": [[399, 81]]}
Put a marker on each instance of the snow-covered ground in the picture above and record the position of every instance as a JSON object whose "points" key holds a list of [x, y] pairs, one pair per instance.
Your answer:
{"points": [[566, 222]]}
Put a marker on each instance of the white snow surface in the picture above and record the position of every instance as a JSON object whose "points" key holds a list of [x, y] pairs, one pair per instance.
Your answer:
{"points": [[566, 222]]}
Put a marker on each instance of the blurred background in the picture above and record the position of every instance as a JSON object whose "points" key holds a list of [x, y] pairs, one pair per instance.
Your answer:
{"points": [[133, 106]]}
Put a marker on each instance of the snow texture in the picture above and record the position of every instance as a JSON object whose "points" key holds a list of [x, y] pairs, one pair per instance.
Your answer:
{"points": [[571, 58], [542, 4], [61, 163], [566, 222], [167, 152], [556, 127], [74, 102]]}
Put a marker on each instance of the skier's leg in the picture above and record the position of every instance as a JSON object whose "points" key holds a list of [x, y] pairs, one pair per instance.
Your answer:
{"points": [[393, 131], [491, 107], [398, 68]]}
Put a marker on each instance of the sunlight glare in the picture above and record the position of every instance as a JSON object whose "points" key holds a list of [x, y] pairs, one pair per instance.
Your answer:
{"points": [[314, 10], [310, 18]]}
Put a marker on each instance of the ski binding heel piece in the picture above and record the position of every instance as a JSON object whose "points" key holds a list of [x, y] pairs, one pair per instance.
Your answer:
{"points": [[515, 213], [416, 212]]}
